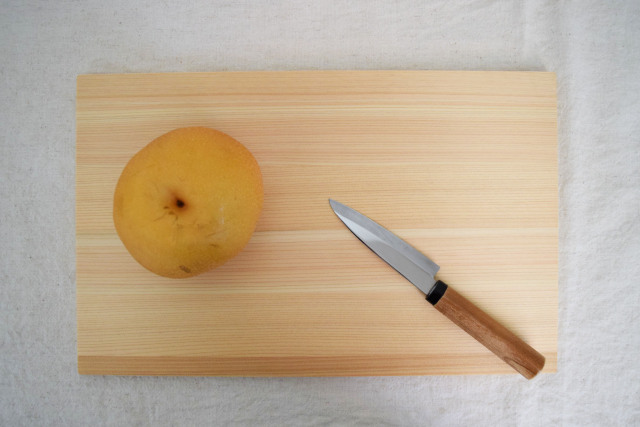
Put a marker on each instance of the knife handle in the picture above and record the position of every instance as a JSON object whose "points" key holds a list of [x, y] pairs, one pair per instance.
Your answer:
{"points": [[502, 342]]}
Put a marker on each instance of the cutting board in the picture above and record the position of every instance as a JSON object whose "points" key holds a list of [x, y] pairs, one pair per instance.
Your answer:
{"points": [[463, 165]]}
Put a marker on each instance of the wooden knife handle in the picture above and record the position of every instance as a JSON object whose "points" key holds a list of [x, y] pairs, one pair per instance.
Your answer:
{"points": [[502, 342]]}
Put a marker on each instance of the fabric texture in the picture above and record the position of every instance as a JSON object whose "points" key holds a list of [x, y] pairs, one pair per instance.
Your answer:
{"points": [[594, 47]]}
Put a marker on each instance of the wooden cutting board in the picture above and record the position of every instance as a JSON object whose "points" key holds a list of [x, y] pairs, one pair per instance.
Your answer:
{"points": [[463, 165]]}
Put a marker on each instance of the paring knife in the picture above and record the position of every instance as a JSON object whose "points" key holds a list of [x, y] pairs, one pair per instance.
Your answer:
{"points": [[421, 271]]}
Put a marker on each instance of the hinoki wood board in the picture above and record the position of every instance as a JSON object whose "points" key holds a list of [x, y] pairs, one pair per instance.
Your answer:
{"points": [[463, 165]]}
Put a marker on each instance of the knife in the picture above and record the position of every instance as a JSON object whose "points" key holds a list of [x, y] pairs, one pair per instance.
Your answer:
{"points": [[421, 271]]}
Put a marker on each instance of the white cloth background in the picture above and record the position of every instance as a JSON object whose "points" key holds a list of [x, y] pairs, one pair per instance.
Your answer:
{"points": [[594, 47]]}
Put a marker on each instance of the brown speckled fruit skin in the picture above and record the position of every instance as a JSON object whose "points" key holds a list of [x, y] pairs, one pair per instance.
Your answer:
{"points": [[188, 201]]}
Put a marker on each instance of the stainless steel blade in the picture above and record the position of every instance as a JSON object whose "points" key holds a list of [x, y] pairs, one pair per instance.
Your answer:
{"points": [[404, 258]]}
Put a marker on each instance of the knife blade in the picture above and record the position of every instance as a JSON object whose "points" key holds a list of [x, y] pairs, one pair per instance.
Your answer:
{"points": [[418, 269]]}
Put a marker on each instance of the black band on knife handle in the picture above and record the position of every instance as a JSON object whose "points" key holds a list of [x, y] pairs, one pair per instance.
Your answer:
{"points": [[486, 330], [436, 292]]}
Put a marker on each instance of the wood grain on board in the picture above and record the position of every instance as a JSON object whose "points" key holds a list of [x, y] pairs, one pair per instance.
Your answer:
{"points": [[463, 165]]}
